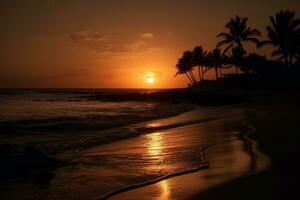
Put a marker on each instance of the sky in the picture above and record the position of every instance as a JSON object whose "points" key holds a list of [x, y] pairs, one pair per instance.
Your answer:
{"points": [[114, 43]]}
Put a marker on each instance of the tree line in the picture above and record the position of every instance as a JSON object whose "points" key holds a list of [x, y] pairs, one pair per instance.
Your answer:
{"points": [[283, 34]]}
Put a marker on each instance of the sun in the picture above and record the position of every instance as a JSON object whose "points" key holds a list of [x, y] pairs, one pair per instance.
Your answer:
{"points": [[150, 79]]}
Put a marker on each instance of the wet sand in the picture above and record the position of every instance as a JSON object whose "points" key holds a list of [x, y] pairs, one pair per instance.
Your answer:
{"points": [[277, 134], [94, 172], [161, 153], [237, 169], [235, 158]]}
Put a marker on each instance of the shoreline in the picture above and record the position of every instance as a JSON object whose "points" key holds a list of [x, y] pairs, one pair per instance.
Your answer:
{"points": [[168, 141], [202, 166], [186, 177], [276, 135]]}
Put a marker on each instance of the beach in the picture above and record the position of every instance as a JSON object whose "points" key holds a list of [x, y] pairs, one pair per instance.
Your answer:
{"points": [[149, 100], [236, 157], [189, 153], [276, 135]]}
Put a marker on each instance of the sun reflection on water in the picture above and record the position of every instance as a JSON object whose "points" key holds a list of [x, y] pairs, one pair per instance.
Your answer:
{"points": [[155, 144]]}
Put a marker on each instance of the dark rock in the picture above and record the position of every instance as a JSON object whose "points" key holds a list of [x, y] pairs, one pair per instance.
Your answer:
{"points": [[17, 161]]}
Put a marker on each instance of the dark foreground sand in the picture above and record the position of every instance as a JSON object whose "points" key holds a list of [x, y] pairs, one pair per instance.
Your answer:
{"points": [[278, 135]]}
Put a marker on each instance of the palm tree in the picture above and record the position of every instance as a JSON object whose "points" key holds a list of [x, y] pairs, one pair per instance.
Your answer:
{"points": [[215, 60], [180, 66], [253, 63], [236, 57], [238, 33], [198, 60], [185, 66], [188, 59], [284, 33]]}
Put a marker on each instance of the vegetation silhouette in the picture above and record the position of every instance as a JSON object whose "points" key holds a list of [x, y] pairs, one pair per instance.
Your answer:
{"points": [[215, 60], [283, 34], [239, 32], [236, 58], [199, 60], [185, 66], [251, 69]]}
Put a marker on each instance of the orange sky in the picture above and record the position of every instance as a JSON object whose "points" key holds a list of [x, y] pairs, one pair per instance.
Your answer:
{"points": [[112, 43]]}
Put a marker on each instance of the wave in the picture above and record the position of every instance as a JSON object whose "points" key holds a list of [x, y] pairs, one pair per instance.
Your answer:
{"points": [[153, 156], [66, 133], [104, 118], [203, 164], [97, 122]]}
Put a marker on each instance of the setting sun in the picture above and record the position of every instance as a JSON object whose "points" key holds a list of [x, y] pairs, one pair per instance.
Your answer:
{"points": [[150, 78]]}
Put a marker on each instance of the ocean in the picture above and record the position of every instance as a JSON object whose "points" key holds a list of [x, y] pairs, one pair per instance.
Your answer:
{"points": [[107, 147]]}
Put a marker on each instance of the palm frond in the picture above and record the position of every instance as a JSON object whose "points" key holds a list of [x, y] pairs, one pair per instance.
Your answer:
{"points": [[264, 43], [223, 42], [294, 24], [254, 32], [224, 35], [227, 48], [254, 40]]}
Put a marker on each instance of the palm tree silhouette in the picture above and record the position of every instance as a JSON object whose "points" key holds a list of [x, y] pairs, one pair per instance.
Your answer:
{"points": [[215, 60], [253, 63], [180, 66], [198, 60], [236, 57], [238, 32], [284, 33], [185, 66]]}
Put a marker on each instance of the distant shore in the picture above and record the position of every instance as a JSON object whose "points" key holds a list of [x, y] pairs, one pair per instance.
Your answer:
{"points": [[198, 96]]}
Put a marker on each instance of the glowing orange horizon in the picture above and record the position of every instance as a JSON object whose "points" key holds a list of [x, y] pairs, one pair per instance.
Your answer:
{"points": [[93, 48]]}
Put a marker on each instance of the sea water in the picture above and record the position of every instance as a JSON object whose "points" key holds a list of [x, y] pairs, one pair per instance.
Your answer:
{"points": [[106, 147]]}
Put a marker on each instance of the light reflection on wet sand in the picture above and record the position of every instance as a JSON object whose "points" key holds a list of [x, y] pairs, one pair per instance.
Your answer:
{"points": [[105, 168], [165, 190], [233, 158]]}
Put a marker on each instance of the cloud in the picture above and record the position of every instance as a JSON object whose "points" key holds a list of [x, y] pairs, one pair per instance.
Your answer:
{"points": [[147, 35], [170, 33], [88, 36], [106, 46]]}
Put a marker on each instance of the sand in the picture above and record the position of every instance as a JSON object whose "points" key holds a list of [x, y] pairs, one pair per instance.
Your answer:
{"points": [[238, 170], [277, 135]]}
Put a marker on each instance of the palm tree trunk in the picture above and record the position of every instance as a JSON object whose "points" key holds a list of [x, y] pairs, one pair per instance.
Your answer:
{"points": [[193, 77], [216, 70], [200, 77], [189, 78], [286, 61], [202, 73]]}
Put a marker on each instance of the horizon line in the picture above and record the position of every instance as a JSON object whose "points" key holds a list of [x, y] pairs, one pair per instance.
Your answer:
{"points": [[98, 88]]}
